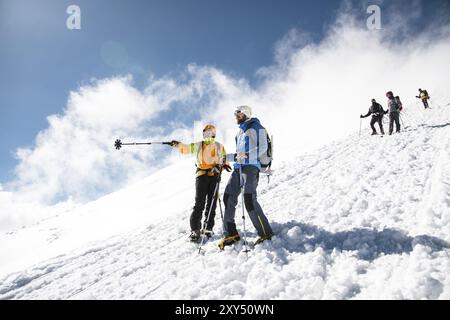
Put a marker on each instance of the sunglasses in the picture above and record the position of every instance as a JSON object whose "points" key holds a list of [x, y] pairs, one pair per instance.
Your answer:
{"points": [[237, 112]]}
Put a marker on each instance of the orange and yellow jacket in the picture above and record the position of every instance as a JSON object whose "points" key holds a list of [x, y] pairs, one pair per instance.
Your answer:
{"points": [[209, 153]]}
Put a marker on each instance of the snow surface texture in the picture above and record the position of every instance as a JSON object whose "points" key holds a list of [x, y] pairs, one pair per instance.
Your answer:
{"points": [[363, 218]]}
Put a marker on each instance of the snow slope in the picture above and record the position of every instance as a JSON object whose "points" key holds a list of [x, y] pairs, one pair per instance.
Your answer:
{"points": [[362, 218]]}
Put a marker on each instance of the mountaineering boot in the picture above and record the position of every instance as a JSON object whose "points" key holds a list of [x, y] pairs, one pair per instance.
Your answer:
{"points": [[374, 133], [229, 241], [207, 233], [263, 238], [195, 236]]}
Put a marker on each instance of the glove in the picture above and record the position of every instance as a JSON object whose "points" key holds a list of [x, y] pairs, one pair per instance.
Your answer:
{"points": [[174, 143], [361, 116], [241, 156], [227, 167]]}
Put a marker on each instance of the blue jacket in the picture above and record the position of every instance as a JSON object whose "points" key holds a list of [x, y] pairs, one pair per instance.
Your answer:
{"points": [[250, 139]]}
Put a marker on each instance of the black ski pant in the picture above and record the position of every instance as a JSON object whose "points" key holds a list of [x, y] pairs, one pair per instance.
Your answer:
{"points": [[374, 120], [204, 194], [425, 103], [394, 117]]}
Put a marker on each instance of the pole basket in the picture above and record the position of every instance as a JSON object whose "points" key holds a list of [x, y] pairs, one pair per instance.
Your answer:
{"points": [[118, 144]]}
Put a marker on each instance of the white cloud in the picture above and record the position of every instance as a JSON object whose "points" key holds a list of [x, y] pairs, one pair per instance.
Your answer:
{"points": [[74, 155], [313, 93]]}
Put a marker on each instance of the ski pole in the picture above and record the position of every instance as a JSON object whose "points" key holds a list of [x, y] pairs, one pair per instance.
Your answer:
{"points": [[267, 173], [401, 120], [221, 216], [118, 143], [417, 104], [243, 212], [422, 112], [360, 122], [213, 202]]}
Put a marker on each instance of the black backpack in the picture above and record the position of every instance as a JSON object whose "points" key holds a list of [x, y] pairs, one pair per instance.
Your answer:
{"points": [[399, 103]]}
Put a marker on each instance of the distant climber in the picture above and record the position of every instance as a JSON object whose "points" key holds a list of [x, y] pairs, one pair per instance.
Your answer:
{"points": [[394, 112], [377, 112], [423, 95]]}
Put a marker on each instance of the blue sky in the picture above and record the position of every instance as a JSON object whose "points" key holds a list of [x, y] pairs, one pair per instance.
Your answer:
{"points": [[41, 61]]}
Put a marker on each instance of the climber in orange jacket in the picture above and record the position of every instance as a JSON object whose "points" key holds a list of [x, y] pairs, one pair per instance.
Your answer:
{"points": [[211, 158]]}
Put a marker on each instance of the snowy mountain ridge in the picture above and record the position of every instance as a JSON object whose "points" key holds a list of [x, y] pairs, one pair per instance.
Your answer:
{"points": [[363, 218]]}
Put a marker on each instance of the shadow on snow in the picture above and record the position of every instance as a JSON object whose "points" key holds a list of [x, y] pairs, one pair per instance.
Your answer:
{"points": [[369, 243], [440, 126]]}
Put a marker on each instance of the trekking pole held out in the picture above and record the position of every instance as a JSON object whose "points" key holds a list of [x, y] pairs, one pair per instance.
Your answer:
{"points": [[213, 202], [118, 143]]}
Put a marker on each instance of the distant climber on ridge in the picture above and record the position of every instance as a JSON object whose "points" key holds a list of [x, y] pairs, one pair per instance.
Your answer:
{"points": [[377, 112], [423, 95], [394, 112]]}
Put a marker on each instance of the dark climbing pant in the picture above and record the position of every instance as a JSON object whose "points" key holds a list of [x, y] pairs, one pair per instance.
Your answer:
{"points": [[425, 103], [394, 117], [204, 193], [249, 180], [374, 120]]}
